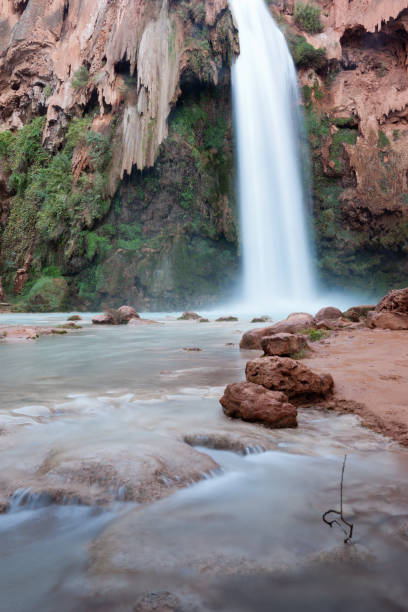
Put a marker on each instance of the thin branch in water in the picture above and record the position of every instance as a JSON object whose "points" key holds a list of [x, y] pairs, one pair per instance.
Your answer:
{"points": [[345, 526]]}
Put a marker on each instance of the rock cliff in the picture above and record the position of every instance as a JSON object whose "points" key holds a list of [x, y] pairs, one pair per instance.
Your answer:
{"points": [[86, 90], [356, 105], [116, 154]]}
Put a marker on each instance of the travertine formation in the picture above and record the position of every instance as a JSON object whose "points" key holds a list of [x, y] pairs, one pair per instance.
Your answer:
{"points": [[128, 54]]}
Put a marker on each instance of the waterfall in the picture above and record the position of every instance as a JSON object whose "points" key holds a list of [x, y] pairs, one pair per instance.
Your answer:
{"points": [[276, 254]]}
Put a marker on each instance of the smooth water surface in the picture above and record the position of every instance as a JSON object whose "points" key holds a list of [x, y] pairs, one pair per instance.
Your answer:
{"points": [[250, 538]]}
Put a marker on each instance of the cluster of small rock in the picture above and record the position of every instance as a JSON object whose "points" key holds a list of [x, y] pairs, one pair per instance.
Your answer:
{"points": [[276, 383]]}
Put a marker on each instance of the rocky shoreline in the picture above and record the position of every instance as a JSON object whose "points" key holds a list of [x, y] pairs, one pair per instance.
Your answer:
{"points": [[358, 363]]}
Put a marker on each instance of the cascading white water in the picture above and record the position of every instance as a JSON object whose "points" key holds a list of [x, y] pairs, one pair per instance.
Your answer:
{"points": [[276, 256]]}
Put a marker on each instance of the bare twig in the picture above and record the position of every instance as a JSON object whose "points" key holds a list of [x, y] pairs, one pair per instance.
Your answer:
{"points": [[342, 523]]}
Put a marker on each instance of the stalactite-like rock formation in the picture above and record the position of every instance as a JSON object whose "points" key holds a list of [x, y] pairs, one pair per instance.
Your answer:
{"points": [[129, 54]]}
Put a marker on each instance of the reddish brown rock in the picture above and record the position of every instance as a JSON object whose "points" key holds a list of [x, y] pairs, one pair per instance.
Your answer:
{"points": [[325, 324], [103, 319], [252, 339], [254, 403], [128, 312], [283, 345], [289, 376], [355, 313], [189, 316], [293, 324], [394, 301], [387, 320], [329, 313], [74, 318], [22, 276]]}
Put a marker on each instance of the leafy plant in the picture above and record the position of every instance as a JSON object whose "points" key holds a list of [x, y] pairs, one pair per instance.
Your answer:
{"points": [[80, 77], [305, 55], [307, 17], [315, 334], [383, 141], [47, 91]]}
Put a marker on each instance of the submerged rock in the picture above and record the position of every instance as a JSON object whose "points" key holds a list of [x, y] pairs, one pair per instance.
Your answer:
{"points": [[264, 319], [254, 403], [283, 345], [189, 316], [112, 317], [295, 322], [102, 319], [289, 376]]}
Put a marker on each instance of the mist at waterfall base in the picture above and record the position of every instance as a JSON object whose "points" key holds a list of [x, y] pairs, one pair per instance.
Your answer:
{"points": [[278, 273]]}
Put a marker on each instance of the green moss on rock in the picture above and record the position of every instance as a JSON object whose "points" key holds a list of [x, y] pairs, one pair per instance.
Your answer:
{"points": [[48, 295]]}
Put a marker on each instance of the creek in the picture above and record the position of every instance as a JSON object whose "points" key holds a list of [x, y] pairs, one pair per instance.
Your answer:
{"points": [[95, 422]]}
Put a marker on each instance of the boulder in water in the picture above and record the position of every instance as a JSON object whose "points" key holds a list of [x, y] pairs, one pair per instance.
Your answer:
{"points": [[283, 345], [111, 317], [291, 377], [254, 403], [189, 316], [295, 323], [74, 318], [329, 313], [103, 319], [128, 312], [227, 319], [263, 319]]}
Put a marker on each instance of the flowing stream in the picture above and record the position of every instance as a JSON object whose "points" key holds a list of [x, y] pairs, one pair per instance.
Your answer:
{"points": [[94, 422], [277, 264]]}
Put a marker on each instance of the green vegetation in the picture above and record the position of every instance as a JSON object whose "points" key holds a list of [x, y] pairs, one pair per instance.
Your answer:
{"points": [[47, 91], [343, 136], [48, 204], [383, 141], [315, 335], [301, 354], [47, 295], [307, 17], [305, 55], [80, 78]]}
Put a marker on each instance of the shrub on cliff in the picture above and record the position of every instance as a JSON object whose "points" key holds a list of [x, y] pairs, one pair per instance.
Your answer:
{"points": [[305, 55], [80, 78], [307, 17]]}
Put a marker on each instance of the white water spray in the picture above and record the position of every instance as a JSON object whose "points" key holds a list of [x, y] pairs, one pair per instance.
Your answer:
{"points": [[276, 256]]}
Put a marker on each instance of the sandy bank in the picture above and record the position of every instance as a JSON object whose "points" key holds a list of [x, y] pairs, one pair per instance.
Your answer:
{"points": [[370, 371]]}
